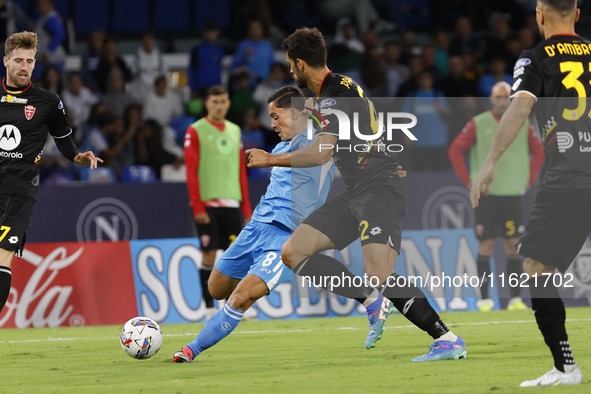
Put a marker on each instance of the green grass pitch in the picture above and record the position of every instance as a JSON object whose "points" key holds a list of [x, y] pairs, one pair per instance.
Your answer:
{"points": [[313, 355]]}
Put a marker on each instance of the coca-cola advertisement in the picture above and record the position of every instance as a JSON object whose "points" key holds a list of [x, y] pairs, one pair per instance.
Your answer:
{"points": [[71, 284]]}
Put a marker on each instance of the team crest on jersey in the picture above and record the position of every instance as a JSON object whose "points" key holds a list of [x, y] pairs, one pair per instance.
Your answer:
{"points": [[29, 112], [205, 240]]}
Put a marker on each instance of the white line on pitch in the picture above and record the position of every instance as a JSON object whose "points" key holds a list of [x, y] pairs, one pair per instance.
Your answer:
{"points": [[276, 331]]}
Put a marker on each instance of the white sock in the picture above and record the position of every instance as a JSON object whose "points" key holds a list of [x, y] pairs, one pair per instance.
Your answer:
{"points": [[569, 368], [448, 336], [375, 294]]}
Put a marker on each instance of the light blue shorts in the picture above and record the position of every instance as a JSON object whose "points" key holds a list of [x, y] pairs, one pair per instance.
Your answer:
{"points": [[257, 251]]}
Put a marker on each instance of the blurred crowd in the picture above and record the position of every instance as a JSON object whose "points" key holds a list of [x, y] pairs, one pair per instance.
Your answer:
{"points": [[432, 53]]}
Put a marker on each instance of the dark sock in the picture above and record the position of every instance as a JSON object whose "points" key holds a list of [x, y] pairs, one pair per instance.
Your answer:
{"points": [[330, 274], [5, 278], [483, 266], [514, 270], [205, 273], [412, 303], [550, 316]]}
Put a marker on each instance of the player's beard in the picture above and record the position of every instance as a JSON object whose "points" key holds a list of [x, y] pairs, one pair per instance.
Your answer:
{"points": [[299, 78], [14, 81], [301, 83]]}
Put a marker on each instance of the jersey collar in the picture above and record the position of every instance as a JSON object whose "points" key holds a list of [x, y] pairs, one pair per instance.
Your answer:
{"points": [[322, 84], [564, 34], [498, 118], [13, 91], [219, 126]]}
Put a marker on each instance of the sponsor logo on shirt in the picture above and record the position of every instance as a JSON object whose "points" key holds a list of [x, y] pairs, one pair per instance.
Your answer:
{"points": [[11, 99], [522, 62], [585, 136], [327, 103], [516, 84], [10, 139], [565, 141]]}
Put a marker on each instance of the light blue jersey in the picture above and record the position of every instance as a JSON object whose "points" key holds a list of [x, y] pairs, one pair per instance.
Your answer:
{"points": [[292, 195]]}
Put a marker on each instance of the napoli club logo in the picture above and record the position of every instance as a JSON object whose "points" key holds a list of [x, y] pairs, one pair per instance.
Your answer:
{"points": [[29, 112]]}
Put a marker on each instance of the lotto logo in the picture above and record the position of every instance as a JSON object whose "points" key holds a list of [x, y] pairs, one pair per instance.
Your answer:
{"points": [[13, 240], [375, 231]]}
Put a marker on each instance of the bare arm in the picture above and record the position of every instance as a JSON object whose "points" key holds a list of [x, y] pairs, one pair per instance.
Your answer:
{"points": [[315, 154], [509, 127]]}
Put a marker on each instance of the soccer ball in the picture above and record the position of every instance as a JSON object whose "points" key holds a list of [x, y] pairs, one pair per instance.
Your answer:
{"points": [[141, 337]]}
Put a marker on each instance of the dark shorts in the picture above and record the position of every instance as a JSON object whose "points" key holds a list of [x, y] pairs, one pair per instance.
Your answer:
{"points": [[15, 218], [558, 227], [223, 229], [499, 216], [374, 217]]}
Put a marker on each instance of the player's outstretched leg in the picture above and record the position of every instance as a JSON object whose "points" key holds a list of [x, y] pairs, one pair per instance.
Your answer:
{"points": [[412, 303], [224, 321], [306, 261], [219, 326], [378, 308]]}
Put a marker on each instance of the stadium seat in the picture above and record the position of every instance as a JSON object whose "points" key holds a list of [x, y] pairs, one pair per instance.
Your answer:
{"points": [[171, 174], [180, 125], [98, 175], [131, 16], [138, 174], [91, 15], [218, 10], [172, 15]]}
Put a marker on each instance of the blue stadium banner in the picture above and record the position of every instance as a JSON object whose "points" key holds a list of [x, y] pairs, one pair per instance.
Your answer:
{"points": [[167, 286]]}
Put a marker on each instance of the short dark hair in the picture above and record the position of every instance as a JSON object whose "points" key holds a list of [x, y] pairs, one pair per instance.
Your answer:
{"points": [[216, 90], [74, 74], [283, 96], [105, 119], [562, 6], [159, 79], [307, 44], [210, 25]]}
